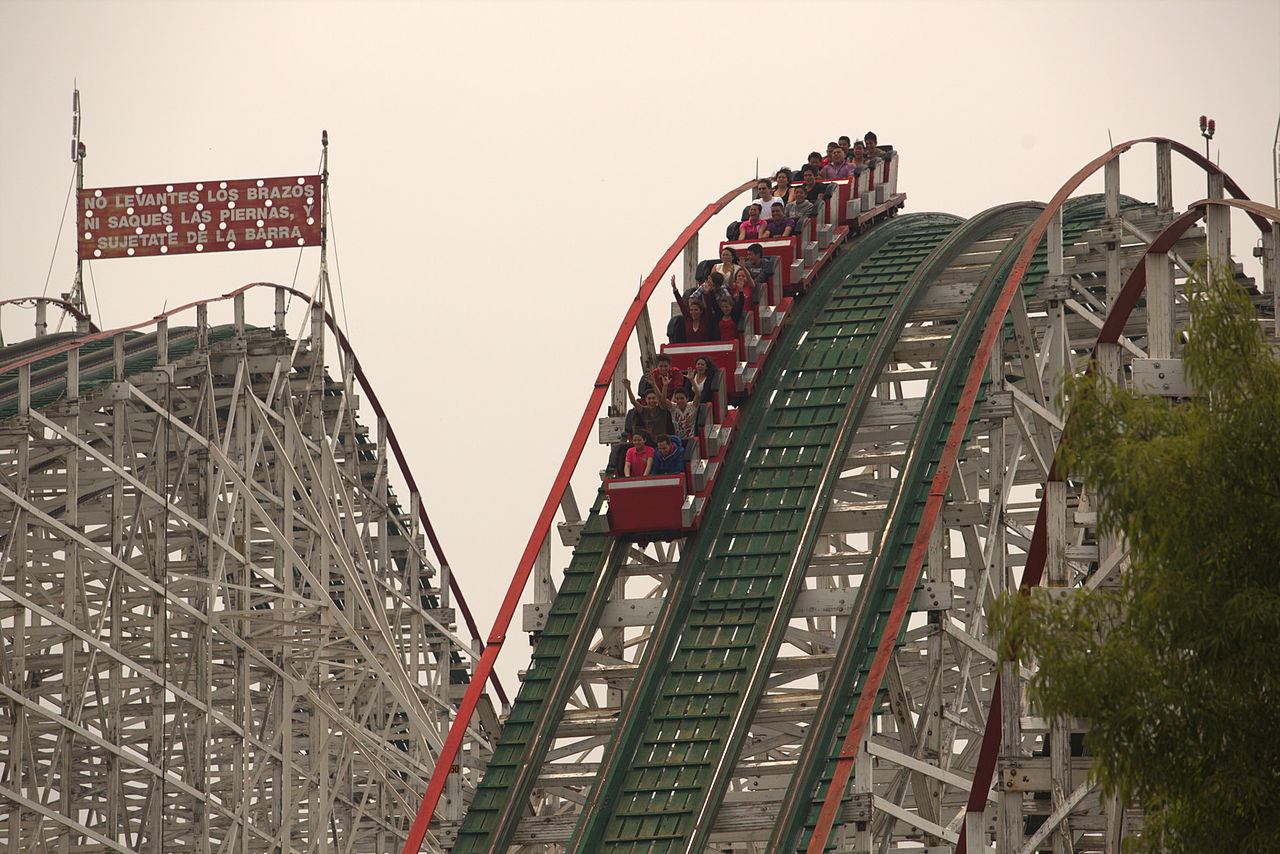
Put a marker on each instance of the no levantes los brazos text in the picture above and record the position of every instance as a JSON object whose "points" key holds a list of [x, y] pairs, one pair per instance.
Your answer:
{"points": [[212, 195]]}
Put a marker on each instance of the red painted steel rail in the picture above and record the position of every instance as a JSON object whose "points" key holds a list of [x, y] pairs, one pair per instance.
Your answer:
{"points": [[938, 488], [356, 368], [542, 527], [1033, 572], [67, 307]]}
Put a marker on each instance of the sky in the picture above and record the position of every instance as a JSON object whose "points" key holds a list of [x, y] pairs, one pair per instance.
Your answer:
{"points": [[503, 174]]}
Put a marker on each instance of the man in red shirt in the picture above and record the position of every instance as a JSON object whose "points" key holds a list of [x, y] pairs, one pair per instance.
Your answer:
{"points": [[663, 378]]}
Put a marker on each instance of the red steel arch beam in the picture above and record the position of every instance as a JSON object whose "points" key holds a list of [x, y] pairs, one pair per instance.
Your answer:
{"points": [[950, 454], [66, 307], [1033, 573], [356, 368], [542, 526], [1127, 299]]}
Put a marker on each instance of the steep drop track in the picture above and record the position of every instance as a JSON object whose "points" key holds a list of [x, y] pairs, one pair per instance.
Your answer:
{"points": [[668, 765]]}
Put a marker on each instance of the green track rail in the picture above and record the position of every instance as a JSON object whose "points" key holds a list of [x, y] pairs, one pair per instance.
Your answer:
{"points": [[97, 367], [853, 661], [666, 764], [710, 638], [503, 795]]}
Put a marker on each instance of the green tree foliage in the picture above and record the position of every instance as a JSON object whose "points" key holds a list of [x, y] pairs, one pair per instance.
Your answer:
{"points": [[1178, 669]]}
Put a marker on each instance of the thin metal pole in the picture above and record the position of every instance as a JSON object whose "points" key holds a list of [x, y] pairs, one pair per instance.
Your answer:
{"points": [[77, 156], [1275, 163], [325, 296]]}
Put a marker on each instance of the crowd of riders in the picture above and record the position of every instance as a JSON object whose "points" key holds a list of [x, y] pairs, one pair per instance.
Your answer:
{"points": [[666, 412]]}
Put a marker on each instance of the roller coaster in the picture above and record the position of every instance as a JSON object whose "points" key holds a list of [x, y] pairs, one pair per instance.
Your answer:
{"points": [[250, 646]]}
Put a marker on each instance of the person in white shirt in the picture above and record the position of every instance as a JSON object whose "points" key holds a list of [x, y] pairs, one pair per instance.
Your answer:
{"points": [[765, 197]]}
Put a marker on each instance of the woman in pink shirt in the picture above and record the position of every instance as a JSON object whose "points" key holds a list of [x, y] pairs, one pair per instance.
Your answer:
{"points": [[639, 457], [751, 226]]}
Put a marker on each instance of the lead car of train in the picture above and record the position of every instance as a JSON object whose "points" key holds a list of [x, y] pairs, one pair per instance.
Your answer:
{"points": [[670, 506]]}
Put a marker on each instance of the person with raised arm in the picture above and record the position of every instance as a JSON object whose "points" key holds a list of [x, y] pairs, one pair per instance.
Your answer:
{"points": [[648, 416], [693, 326], [709, 291], [683, 406], [684, 412], [743, 287], [703, 379], [664, 379]]}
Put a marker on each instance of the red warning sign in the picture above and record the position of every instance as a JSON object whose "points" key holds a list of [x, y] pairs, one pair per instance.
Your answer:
{"points": [[205, 216]]}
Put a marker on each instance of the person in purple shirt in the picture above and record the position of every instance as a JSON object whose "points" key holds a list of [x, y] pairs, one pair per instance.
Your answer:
{"points": [[838, 167], [778, 224]]}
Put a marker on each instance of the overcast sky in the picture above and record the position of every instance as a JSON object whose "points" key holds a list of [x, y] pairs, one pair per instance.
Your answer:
{"points": [[504, 173]]}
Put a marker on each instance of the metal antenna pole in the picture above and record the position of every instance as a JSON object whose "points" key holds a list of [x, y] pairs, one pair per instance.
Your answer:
{"points": [[77, 156], [326, 294]]}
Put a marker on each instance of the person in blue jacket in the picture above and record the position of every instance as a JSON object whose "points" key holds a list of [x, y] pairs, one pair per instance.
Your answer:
{"points": [[669, 457]]}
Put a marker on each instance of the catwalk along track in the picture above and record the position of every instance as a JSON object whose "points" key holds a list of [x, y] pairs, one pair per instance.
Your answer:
{"points": [[784, 648]]}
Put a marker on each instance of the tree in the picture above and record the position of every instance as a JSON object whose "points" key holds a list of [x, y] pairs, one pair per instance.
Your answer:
{"points": [[1177, 669]]}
